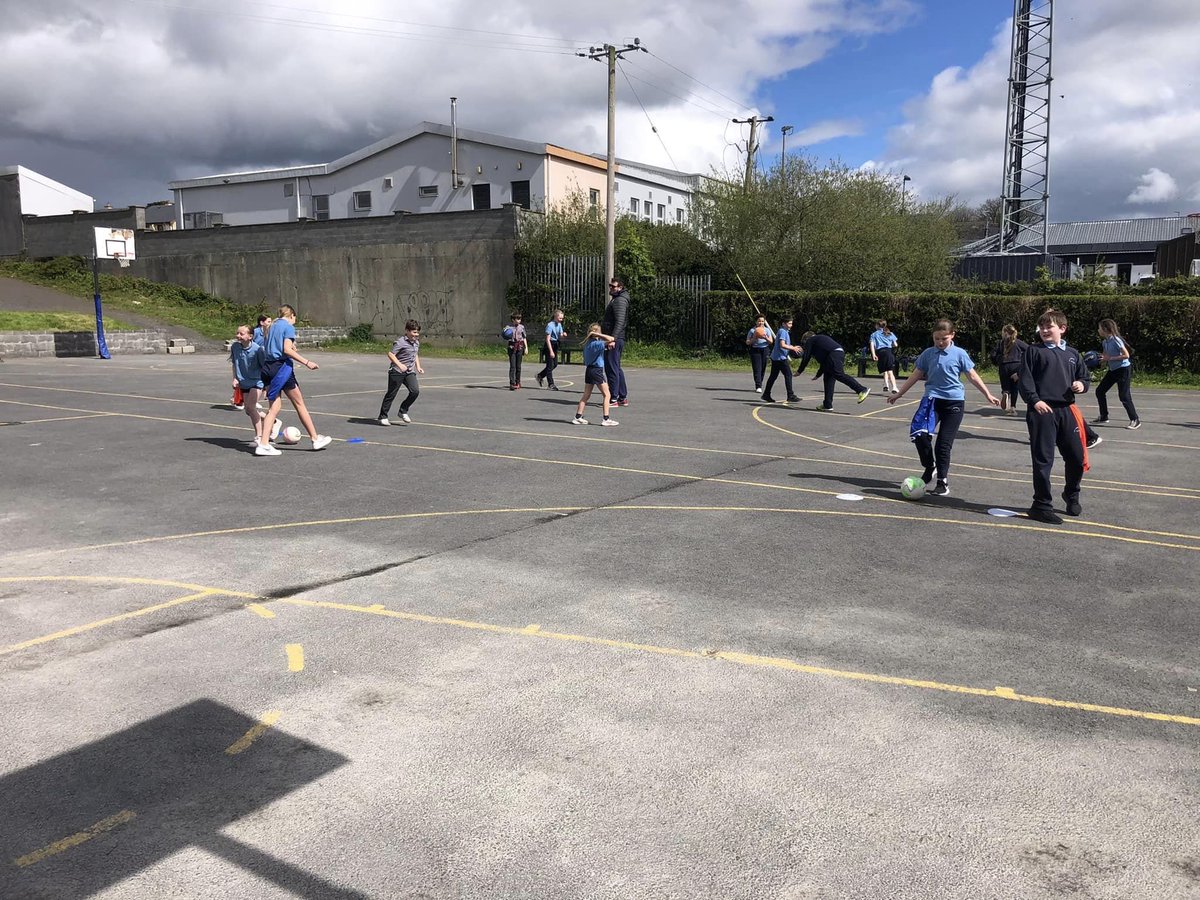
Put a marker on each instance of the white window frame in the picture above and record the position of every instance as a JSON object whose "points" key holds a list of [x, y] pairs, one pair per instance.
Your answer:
{"points": [[427, 191], [357, 201]]}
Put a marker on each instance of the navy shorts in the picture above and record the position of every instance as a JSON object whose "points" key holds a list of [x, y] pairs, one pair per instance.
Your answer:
{"points": [[271, 367], [595, 375], [887, 359]]}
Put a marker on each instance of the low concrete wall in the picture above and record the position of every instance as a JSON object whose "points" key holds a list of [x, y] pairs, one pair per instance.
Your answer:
{"points": [[310, 336], [81, 343]]}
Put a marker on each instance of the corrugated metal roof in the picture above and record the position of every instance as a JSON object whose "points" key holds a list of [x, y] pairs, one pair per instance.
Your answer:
{"points": [[1130, 235]]}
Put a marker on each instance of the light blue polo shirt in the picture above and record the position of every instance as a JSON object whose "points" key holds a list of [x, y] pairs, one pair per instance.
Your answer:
{"points": [[1113, 347], [783, 336], [942, 369], [593, 353], [879, 340], [554, 330], [247, 364], [761, 342], [280, 331]]}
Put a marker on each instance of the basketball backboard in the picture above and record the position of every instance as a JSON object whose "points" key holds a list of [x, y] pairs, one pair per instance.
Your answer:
{"points": [[114, 243]]}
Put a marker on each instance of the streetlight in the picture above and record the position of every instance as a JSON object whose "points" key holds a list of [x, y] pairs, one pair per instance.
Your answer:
{"points": [[785, 131], [904, 193]]}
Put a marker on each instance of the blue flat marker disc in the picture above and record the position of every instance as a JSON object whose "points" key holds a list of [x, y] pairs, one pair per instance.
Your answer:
{"points": [[355, 441]]}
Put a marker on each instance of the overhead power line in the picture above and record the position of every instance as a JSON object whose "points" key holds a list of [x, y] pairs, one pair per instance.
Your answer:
{"points": [[647, 115]]}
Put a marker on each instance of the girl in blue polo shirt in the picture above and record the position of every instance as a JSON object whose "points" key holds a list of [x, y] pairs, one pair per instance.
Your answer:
{"points": [[1116, 354], [941, 367], [884, 345], [759, 339], [594, 374]]}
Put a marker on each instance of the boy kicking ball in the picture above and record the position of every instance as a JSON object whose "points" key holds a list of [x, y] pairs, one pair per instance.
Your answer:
{"points": [[594, 374]]}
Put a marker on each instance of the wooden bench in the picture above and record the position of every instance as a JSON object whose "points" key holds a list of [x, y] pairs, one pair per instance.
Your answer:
{"points": [[903, 363], [566, 348]]}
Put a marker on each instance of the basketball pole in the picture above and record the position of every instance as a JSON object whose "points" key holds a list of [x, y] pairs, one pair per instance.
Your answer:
{"points": [[101, 343]]}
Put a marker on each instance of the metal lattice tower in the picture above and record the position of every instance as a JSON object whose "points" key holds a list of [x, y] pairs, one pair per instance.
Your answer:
{"points": [[1026, 191]]}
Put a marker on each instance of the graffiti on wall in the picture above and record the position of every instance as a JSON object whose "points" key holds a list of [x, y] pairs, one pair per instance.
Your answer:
{"points": [[433, 309]]}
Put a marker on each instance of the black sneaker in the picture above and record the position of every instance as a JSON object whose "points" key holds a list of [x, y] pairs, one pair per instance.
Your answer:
{"points": [[1073, 508], [941, 489], [540, 379], [1094, 441], [554, 387], [766, 399], [824, 408], [1134, 425], [1100, 420], [793, 399], [1049, 516]]}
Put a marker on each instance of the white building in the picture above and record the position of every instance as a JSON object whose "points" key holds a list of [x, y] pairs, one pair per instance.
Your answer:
{"points": [[425, 170], [42, 196]]}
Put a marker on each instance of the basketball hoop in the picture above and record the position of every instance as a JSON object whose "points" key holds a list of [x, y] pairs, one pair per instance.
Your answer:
{"points": [[121, 260]]}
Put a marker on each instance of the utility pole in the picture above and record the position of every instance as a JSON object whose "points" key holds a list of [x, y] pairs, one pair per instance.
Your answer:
{"points": [[611, 54], [751, 146]]}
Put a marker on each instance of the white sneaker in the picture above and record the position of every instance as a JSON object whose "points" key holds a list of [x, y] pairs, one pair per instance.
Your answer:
{"points": [[275, 429], [758, 390], [579, 420], [320, 442], [610, 422], [267, 450], [404, 418], [384, 421]]}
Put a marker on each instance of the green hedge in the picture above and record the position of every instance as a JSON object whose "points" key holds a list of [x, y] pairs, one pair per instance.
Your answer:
{"points": [[1164, 331]]}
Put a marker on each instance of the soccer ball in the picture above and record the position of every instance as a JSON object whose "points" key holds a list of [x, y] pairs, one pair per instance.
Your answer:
{"points": [[508, 332], [290, 435], [912, 488], [1091, 359]]}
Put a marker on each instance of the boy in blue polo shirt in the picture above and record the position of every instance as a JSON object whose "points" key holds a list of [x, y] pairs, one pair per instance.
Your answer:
{"points": [[941, 410], [780, 361], [278, 374]]}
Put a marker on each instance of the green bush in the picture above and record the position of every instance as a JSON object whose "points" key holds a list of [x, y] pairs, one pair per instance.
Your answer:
{"points": [[1164, 331], [360, 333]]}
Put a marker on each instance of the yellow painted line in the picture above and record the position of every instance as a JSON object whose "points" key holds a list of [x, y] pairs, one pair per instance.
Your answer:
{"points": [[1129, 488], [80, 629], [889, 407], [295, 657], [747, 659], [259, 610], [79, 837], [264, 725]]}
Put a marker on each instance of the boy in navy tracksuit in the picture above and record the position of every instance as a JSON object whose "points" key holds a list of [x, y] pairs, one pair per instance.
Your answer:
{"points": [[1051, 375]]}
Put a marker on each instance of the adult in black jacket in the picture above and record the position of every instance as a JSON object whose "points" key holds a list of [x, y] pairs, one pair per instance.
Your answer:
{"points": [[616, 316], [831, 361]]}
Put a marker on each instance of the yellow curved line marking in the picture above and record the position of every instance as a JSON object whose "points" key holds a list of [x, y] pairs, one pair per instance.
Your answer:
{"points": [[264, 725], [76, 839], [1162, 490], [295, 657], [748, 659]]}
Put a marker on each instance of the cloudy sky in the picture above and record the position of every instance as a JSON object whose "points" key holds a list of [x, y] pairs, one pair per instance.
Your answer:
{"points": [[120, 97]]}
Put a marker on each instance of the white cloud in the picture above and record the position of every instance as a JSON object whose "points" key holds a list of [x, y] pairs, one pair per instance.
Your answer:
{"points": [[1125, 75], [168, 92], [1156, 187], [826, 131]]}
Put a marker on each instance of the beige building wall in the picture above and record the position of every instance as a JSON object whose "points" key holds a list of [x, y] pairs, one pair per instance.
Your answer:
{"points": [[568, 172]]}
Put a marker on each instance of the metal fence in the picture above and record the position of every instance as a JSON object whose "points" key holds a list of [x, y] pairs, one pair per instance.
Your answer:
{"points": [[576, 284]]}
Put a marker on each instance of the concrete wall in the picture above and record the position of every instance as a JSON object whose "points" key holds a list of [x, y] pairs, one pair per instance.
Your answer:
{"points": [[74, 235], [12, 236], [81, 343], [449, 271]]}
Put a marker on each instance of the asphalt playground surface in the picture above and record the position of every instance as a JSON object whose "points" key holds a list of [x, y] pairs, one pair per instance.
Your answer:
{"points": [[492, 654]]}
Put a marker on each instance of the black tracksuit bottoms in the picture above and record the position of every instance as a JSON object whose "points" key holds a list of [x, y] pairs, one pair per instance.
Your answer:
{"points": [[1061, 428]]}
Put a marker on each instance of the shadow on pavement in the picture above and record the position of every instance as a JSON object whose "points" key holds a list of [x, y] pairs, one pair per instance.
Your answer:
{"points": [[227, 443], [890, 490], [148, 792]]}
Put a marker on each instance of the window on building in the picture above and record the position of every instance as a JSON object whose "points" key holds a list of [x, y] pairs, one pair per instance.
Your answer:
{"points": [[320, 207], [362, 201], [427, 191], [481, 196], [289, 189], [520, 193], [635, 205], [662, 213], [648, 208], [203, 219], [593, 198], [679, 216]]}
